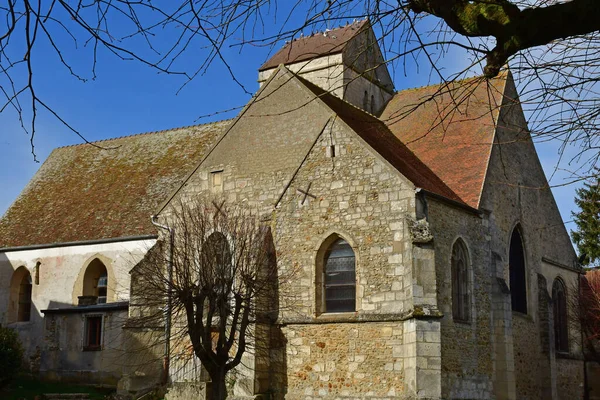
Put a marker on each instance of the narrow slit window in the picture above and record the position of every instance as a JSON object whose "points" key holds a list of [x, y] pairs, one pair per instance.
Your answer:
{"points": [[461, 304], [518, 280], [561, 323]]}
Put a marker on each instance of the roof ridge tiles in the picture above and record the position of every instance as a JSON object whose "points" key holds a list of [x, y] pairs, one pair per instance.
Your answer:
{"points": [[145, 133], [452, 82]]}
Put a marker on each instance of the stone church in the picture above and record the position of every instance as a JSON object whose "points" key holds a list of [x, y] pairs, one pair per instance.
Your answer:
{"points": [[453, 266]]}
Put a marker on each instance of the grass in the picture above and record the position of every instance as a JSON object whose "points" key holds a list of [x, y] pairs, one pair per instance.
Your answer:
{"points": [[28, 388]]}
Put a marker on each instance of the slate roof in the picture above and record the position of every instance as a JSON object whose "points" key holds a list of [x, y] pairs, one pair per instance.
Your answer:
{"points": [[452, 131], [381, 139], [317, 45], [84, 193]]}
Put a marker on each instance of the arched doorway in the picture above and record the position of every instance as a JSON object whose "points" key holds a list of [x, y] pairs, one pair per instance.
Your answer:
{"points": [[20, 296]]}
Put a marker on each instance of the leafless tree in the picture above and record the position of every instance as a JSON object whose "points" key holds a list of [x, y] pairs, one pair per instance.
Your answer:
{"points": [[214, 278], [586, 313], [550, 45]]}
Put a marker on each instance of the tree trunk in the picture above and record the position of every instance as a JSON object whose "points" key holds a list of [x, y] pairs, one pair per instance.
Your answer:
{"points": [[218, 388]]}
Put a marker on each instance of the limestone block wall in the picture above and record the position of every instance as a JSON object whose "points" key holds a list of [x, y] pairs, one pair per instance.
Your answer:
{"points": [[516, 194], [359, 198], [307, 192], [466, 347], [363, 55], [60, 271], [324, 361], [326, 72], [356, 87]]}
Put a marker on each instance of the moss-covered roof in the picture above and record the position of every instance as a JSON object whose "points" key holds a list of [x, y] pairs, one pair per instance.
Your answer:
{"points": [[85, 193]]}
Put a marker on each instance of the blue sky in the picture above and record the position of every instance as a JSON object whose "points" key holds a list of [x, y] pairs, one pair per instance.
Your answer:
{"points": [[128, 98]]}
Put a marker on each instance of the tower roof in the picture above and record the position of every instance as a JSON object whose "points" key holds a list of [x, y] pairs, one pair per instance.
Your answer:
{"points": [[317, 45]]}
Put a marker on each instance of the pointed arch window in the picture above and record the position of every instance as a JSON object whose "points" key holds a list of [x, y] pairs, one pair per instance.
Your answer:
{"points": [[217, 261], [561, 324], [518, 281], [95, 281], [339, 278], [461, 304]]}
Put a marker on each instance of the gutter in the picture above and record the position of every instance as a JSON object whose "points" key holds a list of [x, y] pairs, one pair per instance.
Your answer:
{"points": [[78, 243], [167, 351]]}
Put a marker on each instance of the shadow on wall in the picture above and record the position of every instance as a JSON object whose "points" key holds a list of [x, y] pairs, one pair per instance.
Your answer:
{"points": [[92, 344], [19, 312], [277, 345]]}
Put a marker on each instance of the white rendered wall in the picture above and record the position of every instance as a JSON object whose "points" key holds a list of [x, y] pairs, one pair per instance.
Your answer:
{"points": [[61, 273]]}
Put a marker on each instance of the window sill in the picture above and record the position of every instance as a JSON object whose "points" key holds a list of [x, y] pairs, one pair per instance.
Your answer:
{"points": [[462, 322], [566, 355], [520, 315], [92, 348], [19, 323], [337, 316]]}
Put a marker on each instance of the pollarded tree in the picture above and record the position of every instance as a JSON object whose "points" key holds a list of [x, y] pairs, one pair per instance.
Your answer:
{"points": [[551, 45], [217, 279], [587, 235]]}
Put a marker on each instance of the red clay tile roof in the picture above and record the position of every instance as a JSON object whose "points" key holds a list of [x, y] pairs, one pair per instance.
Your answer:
{"points": [[84, 193], [381, 139], [452, 132], [319, 44]]}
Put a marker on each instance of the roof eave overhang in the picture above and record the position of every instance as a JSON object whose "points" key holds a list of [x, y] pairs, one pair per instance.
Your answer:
{"points": [[451, 202], [77, 243]]}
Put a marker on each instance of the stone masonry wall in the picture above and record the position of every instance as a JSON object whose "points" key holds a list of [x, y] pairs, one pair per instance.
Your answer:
{"points": [[340, 360], [285, 169], [516, 194], [466, 347]]}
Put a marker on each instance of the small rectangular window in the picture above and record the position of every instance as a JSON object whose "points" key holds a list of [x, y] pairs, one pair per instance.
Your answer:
{"points": [[93, 333], [216, 178]]}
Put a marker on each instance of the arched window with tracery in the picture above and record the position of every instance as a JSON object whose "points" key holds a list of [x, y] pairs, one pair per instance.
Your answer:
{"points": [[518, 280], [20, 296], [339, 277], [461, 304], [561, 324], [95, 281]]}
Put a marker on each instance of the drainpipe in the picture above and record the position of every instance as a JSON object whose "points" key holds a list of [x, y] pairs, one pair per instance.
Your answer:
{"points": [[167, 354]]}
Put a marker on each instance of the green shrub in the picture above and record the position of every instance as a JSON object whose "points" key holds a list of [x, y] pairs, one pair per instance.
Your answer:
{"points": [[11, 355]]}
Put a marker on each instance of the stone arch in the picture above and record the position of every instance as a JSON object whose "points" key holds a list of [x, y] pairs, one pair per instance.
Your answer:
{"points": [[218, 246], [20, 303], [517, 267], [329, 287], [87, 280]]}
